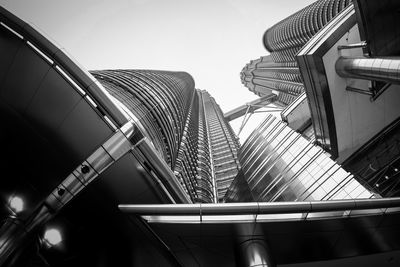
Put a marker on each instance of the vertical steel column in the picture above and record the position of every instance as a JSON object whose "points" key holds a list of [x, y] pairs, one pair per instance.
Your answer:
{"points": [[254, 253], [252, 247]]}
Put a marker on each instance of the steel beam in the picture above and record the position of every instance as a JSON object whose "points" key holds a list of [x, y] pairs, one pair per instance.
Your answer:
{"points": [[377, 69], [250, 107], [261, 207]]}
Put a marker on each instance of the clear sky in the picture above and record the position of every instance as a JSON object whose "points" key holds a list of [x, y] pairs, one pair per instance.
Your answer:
{"points": [[210, 39]]}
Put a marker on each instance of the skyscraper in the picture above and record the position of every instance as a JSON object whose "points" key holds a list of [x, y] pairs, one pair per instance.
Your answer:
{"points": [[100, 138], [223, 146], [343, 106], [161, 102], [279, 73], [264, 77], [186, 126], [78, 147]]}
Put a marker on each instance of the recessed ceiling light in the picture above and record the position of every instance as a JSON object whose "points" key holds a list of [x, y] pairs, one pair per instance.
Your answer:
{"points": [[16, 204], [52, 237]]}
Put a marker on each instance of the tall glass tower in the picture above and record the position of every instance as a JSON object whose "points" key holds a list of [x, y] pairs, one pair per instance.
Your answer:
{"points": [[224, 146], [185, 125], [279, 73]]}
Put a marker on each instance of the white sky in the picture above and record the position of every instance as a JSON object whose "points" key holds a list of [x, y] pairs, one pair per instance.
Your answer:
{"points": [[210, 39]]}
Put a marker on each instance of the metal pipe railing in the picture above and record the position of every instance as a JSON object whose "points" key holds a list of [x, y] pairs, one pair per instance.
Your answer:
{"points": [[254, 105], [378, 69], [261, 207]]}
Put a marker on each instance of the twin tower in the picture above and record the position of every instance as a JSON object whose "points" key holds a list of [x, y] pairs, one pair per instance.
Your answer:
{"points": [[185, 125]]}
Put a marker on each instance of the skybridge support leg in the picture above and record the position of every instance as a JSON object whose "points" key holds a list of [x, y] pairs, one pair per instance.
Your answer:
{"points": [[252, 248]]}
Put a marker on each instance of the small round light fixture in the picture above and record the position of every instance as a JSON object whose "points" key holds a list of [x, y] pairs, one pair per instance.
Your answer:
{"points": [[85, 169], [60, 191], [52, 237], [16, 204]]}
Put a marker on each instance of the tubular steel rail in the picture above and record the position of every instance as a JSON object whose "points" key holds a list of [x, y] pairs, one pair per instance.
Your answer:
{"points": [[378, 69], [256, 208]]}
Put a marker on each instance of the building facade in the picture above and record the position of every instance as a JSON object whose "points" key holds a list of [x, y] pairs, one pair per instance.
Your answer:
{"points": [[352, 92], [223, 145], [344, 102], [185, 125], [278, 72], [141, 136], [279, 164], [264, 77]]}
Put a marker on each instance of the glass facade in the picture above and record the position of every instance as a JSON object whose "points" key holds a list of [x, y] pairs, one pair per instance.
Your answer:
{"points": [[166, 105], [281, 165], [195, 145], [185, 125], [160, 101], [224, 146]]}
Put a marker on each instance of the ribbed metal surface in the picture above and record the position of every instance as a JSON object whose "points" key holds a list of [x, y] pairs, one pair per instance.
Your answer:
{"points": [[223, 147], [172, 115], [262, 76], [281, 165], [159, 99], [186, 126], [279, 71], [285, 38], [205, 177]]}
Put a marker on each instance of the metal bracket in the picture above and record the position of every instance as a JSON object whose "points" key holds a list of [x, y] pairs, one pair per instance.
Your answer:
{"points": [[362, 44]]}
